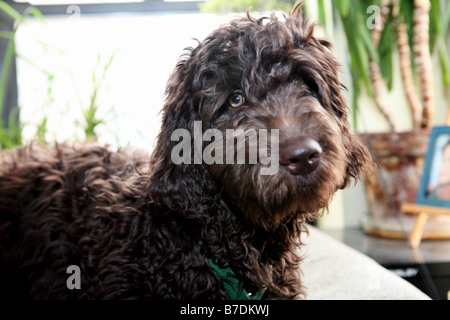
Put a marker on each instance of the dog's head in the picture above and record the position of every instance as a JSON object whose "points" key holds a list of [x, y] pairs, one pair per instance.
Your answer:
{"points": [[257, 109]]}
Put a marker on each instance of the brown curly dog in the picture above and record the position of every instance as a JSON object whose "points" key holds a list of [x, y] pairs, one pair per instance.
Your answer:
{"points": [[193, 221]]}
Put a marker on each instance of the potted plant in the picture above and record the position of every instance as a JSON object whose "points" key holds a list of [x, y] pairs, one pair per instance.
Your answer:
{"points": [[413, 29], [383, 36]]}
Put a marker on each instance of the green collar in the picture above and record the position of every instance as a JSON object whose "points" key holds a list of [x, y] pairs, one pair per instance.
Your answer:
{"points": [[231, 284]]}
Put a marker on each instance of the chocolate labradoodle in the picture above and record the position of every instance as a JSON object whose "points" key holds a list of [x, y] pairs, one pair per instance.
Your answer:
{"points": [[88, 223]]}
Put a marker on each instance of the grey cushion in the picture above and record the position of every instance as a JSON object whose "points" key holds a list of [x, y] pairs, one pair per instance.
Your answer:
{"points": [[332, 270]]}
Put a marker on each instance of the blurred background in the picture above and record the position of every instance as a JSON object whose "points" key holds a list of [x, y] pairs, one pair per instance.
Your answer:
{"points": [[83, 70], [77, 70]]}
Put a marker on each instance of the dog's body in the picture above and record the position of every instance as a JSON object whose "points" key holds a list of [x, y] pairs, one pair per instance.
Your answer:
{"points": [[150, 228]]}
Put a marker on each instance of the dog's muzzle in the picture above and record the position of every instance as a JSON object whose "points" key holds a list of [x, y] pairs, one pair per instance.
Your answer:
{"points": [[300, 156]]}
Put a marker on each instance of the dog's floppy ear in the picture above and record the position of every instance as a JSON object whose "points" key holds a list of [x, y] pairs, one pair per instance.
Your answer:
{"points": [[359, 160], [319, 69], [174, 185]]}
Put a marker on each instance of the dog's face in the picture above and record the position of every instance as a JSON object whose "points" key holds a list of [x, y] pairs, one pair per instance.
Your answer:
{"points": [[267, 84]]}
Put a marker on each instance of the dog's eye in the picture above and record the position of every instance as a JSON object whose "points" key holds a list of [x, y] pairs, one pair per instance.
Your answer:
{"points": [[236, 100]]}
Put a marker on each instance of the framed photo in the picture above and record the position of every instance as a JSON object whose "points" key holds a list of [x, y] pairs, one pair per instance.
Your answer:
{"points": [[434, 189]]}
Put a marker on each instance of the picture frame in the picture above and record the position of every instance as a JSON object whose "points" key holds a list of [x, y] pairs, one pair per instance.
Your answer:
{"points": [[434, 188]]}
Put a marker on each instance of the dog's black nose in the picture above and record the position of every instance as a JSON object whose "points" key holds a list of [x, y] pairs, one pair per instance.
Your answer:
{"points": [[301, 156]]}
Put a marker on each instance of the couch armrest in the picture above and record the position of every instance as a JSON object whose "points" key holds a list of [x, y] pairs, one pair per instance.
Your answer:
{"points": [[332, 270]]}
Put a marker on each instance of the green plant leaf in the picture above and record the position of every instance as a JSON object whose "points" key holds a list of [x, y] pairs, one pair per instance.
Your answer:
{"points": [[446, 18], [343, 7], [321, 12], [10, 50], [444, 57], [368, 44], [435, 22], [385, 50], [13, 13], [7, 34], [444, 62], [32, 11]]}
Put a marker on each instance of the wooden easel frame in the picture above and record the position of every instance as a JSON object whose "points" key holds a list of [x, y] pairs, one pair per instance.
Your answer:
{"points": [[422, 211]]}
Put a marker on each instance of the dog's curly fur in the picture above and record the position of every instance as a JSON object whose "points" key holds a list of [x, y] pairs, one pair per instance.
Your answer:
{"points": [[143, 227]]}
